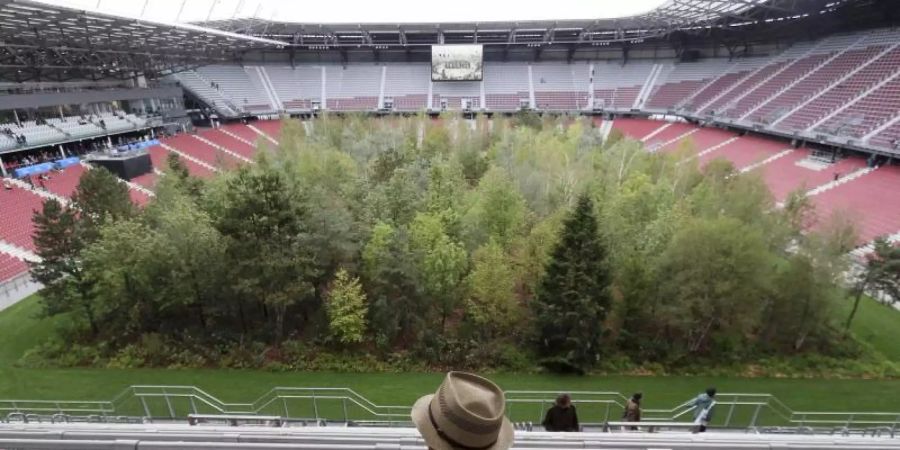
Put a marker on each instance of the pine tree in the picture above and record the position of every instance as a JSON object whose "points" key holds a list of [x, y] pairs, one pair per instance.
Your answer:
{"points": [[572, 298], [264, 224], [61, 234], [59, 244], [100, 198], [188, 184]]}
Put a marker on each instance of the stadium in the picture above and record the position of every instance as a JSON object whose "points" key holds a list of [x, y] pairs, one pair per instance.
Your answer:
{"points": [[238, 229]]}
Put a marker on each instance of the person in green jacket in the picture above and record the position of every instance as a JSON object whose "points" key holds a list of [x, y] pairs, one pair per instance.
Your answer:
{"points": [[703, 408]]}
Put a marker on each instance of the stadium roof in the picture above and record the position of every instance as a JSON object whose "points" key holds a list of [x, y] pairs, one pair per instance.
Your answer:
{"points": [[673, 15], [50, 42], [39, 41]]}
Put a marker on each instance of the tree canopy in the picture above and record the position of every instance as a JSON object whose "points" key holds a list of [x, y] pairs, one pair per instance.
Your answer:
{"points": [[451, 243]]}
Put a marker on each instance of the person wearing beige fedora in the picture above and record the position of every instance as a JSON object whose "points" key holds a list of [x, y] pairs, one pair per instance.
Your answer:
{"points": [[467, 412]]}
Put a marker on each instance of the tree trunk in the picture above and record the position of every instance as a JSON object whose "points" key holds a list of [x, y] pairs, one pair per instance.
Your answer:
{"points": [[859, 294], [89, 313], [280, 312], [702, 338], [198, 298], [243, 319]]}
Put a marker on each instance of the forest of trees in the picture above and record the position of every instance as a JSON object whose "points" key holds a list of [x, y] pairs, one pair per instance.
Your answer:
{"points": [[513, 243]]}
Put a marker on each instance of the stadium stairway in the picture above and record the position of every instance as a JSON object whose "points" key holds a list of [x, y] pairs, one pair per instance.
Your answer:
{"points": [[638, 129], [221, 148], [200, 151], [796, 171], [230, 142], [243, 133], [671, 135], [159, 154], [745, 151], [269, 129], [701, 140]]}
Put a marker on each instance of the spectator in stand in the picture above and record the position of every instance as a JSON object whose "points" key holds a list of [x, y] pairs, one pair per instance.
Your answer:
{"points": [[703, 408], [7, 184], [562, 416], [466, 412], [633, 409]]}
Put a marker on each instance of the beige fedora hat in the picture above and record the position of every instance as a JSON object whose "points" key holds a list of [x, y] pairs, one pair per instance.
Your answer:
{"points": [[466, 412]]}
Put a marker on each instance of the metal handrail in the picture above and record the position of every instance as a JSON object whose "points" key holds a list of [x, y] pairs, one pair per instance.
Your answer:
{"points": [[744, 410]]}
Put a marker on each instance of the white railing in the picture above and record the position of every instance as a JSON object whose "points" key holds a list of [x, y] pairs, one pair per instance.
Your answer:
{"points": [[343, 405]]}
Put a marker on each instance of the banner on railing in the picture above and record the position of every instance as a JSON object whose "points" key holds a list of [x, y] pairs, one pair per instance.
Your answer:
{"points": [[36, 169], [63, 163], [138, 145]]}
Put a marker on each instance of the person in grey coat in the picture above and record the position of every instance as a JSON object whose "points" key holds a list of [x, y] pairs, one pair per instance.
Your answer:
{"points": [[703, 408]]}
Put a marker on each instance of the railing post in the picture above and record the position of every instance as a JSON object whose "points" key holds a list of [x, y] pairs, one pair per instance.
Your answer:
{"points": [[169, 403], [344, 407], [849, 420], [541, 409], [193, 405], [315, 406], [802, 419], [730, 414], [606, 417], [287, 415], [146, 408], [755, 415]]}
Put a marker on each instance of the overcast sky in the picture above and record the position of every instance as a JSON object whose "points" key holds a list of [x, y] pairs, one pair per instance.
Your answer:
{"points": [[366, 11]]}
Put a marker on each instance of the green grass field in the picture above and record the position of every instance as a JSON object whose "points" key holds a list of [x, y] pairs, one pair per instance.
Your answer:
{"points": [[20, 329], [877, 325]]}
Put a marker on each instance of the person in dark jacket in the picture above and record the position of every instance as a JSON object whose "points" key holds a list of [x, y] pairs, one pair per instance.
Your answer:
{"points": [[562, 416], [633, 409]]}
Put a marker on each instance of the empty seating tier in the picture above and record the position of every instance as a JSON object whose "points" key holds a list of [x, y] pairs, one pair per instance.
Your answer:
{"points": [[202, 151], [224, 140], [813, 84], [743, 86], [745, 151], [159, 156], [669, 133], [702, 139], [637, 128], [714, 89], [775, 84], [64, 182], [798, 170], [270, 127], [842, 92], [18, 206], [870, 200], [147, 180], [244, 132], [11, 267], [867, 113]]}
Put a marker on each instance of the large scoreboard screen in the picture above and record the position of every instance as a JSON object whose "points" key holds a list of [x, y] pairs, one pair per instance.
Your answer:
{"points": [[457, 62]]}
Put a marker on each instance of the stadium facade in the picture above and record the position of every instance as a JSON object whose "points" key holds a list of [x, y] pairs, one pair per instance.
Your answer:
{"points": [[804, 92]]}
